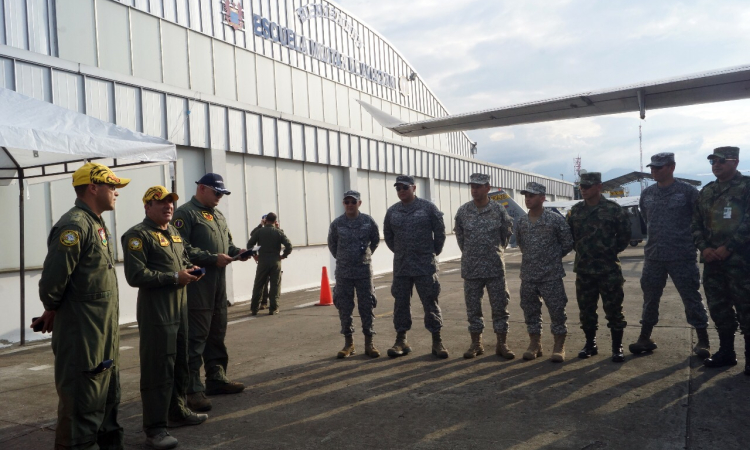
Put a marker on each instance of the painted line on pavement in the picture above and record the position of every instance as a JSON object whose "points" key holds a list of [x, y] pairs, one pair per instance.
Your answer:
{"points": [[312, 290], [244, 319], [379, 276], [450, 270], [381, 287], [385, 314], [133, 326], [45, 366], [126, 348], [305, 305], [25, 347]]}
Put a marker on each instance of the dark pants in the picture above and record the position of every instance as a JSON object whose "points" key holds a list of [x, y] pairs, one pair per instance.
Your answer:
{"points": [[267, 270], [728, 295], [343, 299], [428, 288], [588, 290], [206, 334], [686, 278]]}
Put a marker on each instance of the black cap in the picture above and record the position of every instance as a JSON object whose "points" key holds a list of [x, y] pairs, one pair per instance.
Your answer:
{"points": [[215, 181], [405, 180]]}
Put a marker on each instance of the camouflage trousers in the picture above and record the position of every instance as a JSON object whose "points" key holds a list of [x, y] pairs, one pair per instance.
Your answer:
{"points": [[497, 290], [553, 293], [343, 299], [428, 288], [588, 290], [728, 295], [686, 278]]}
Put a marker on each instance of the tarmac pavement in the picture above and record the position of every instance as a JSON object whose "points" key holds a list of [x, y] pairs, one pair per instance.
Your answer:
{"points": [[300, 396]]}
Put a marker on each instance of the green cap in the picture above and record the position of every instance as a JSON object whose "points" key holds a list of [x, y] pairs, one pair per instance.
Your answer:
{"points": [[591, 178], [725, 152]]}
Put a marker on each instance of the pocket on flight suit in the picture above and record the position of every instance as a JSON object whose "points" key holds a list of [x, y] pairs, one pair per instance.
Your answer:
{"points": [[92, 390]]}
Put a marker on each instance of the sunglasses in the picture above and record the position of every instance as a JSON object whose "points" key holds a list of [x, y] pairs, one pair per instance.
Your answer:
{"points": [[401, 187], [586, 186], [350, 202], [111, 187], [657, 168], [713, 161], [217, 193]]}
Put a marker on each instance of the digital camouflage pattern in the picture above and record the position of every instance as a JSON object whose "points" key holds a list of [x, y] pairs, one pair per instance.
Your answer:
{"points": [[686, 278], [482, 235], [152, 256], [415, 233], [352, 243], [497, 290], [600, 232], [79, 283], [428, 289], [609, 286], [668, 212], [343, 299], [270, 239], [553, 293], [728, 296], [543, 245]]}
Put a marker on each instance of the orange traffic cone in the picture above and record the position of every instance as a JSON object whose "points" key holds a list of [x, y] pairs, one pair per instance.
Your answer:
{"points": [[326, 297]]}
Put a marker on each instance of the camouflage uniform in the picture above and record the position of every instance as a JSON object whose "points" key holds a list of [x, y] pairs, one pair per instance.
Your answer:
{"points": [[721, 218], [670, 251], [600, 232], [352, 243], [415, 233], [543, 245], [482, 235]]}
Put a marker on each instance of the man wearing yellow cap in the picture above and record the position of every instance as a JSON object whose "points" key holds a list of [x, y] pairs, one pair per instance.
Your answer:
{"points": [[78, 288], [157, 264]]}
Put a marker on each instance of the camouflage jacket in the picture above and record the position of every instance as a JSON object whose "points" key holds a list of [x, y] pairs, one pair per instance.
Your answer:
{"points": [[543, 245], [482, 236], [352, 243], [668, 212], [721, 218], [415, 233], [600, 232]]}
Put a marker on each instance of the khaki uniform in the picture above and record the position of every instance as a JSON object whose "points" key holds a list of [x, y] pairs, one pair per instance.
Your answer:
{"points": [[79, 283], [152, 256], [270, 240], [205, 234]]}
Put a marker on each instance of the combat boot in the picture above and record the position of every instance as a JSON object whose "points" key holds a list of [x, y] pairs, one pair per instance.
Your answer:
{"points": [[192, 419], [535, 347], [617, 353], [702, 349], [348, 349], [161, 441], [590, 348], [370, 349], [437, 346], [726, 355], [228, 387], [502, 348], [401, 347], [644, 343], [558, 352], [476, 347], [198, 402]]}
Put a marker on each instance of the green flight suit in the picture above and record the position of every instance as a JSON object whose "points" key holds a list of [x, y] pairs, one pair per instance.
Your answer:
{"points": [[205, 233], [79, 283], [152, 256], [270, 240]]}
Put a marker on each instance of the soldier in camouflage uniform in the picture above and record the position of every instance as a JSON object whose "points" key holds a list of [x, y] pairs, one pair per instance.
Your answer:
{"points": [[544, 239], [415, 233], [721, 231], [352, 239], [601, 230], [483, 229], [667, 208]]}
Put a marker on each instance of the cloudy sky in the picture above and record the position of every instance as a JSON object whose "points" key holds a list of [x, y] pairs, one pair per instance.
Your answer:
{"points": [[477, 54]]}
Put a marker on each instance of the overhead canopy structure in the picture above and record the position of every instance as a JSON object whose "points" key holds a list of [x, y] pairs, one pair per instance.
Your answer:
{"points": [[37, 136], [715, 86], [632, 177]]}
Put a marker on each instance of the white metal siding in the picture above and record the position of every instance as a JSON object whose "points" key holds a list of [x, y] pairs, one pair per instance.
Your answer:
{"points": [[201, 63], [225, 70], [76, 31], [114, 39], [176, 69]]}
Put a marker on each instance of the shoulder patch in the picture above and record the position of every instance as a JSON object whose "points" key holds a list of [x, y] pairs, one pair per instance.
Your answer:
{"points": [[69, 238], [103, 236], [136, 244], [179, 223], [177, 238], [207, 215]]}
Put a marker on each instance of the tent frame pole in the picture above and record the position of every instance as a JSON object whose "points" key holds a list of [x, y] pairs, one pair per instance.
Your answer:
{"points": [[22, 261]]}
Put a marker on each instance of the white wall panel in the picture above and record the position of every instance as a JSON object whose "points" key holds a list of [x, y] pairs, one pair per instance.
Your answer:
{"points": [[219, 132], [336, 189], [191, 166], [195, 15], [261, 188], [182, 12], [378, 197], [344, 150], [334, 151], [269, 136], [178, 124], [34, 81], [397, 163], [391, 196], [100, 99], [317, 203], [323, 148], [315, 92], [198, 124], [2, 23], [363, 181], [381, 156], [37, 226], [154, 114], [67, 90], [373, 153], [142, 5], [236, 121], [354, 151], [285, 139], [389, 165], [224, 70], [128, 111], [299, 92], [254, 135], [298, 142], [170, 10], [329, 102], [342, 105], [247, 90], [201, 63], [235, 206], [15, 24], [266, 82], [36, 11], [355, 111], [456, 203], [311, 140], [114, 38], [291, 203], [364, 153], [283, 79], [377, 129], [365, 116], [146, 46], [207, 18], [445, 202], [175, 54]]}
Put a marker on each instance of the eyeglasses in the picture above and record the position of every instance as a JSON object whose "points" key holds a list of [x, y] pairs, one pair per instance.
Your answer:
{"points": [[111, 187], [713, 161], [401, 187], [586, 186], [217, 193], [350, 202]]}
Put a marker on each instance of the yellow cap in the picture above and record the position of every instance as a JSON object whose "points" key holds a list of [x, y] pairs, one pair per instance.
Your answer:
{"points": [[158, 193], [93, 173]]}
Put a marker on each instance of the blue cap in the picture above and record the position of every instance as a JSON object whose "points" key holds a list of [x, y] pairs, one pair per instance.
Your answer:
{"points": [[215, 181]]}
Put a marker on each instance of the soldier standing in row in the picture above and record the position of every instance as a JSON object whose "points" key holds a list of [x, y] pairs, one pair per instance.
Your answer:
{"points": [[352, 239], [79, 291], [483, 229], [667, 208], [270, 238], [156, 263], [209, 244], [544, 239], [415, 233], [601, 230], [721, 231]]}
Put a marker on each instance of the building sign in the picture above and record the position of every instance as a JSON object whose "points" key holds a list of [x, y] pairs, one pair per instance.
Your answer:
{"points": [[314, 10], [233, 14]]}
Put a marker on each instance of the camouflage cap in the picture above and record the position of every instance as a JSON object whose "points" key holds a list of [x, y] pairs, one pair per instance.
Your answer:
{"points": [[725, 152], [404, 179], [591, 178], [534, 188], [661, 159], [479, 178], [353, 194]]}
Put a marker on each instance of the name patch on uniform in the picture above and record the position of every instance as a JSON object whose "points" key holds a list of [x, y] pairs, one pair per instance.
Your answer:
{"points": [[69, 238], [207, 215], [176, 239], [728, 212], [103, 235], [179, 223], [160, 237], [135, 244]]}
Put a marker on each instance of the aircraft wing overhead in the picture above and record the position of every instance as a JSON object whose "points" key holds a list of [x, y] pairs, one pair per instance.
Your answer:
{"points": [[708, 87]]}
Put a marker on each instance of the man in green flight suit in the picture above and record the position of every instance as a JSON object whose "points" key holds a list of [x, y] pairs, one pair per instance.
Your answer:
{"points": [[157, 264], [78, 288], [270, 238], [209, 244], [601, 230]]}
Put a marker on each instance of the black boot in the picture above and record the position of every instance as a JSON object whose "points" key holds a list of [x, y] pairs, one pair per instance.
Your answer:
{"points": [[726, 355], [747, 354], [590, 349], [617, 354]]}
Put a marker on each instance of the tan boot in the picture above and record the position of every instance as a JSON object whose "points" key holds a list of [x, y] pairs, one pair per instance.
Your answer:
{"points": [[370, 349], [438, 349], [348, 349], [476, 346], [401, 347], [558, 352], [502, 349], [535, 347], [198, 402]]}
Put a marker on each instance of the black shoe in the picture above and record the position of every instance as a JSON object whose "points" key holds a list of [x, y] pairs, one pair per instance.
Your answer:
{"points": [[721, 358], [253, 312], [590, 349], [273, 312], [617, 353]]}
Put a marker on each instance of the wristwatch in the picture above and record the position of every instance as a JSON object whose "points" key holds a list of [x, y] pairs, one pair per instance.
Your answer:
{"points": [[176, 278]]}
